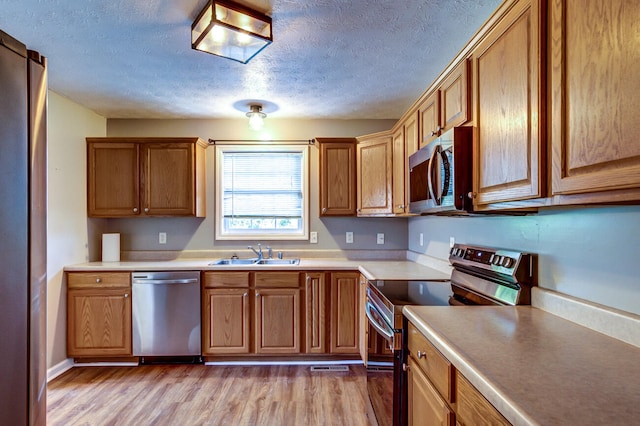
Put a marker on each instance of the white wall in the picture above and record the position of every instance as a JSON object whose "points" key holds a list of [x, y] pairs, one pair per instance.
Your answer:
{"points": [[198, 234], [587, 252], [68, 231]]}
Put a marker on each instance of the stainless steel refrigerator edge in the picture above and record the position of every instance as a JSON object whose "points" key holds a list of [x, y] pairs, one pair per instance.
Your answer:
{"points": [[23, 246]]}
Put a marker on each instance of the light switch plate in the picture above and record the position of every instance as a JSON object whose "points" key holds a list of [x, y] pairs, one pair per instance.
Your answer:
{"points": [[349, 237], [421, 239], [313, 237], [380, 239]]}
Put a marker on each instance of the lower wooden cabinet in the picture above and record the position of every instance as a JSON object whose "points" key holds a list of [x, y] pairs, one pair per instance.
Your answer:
{"points": [[345, 313], [425, 405], [277, 320], [438, 394], [98, 314], [315, 317], [227, 314]]}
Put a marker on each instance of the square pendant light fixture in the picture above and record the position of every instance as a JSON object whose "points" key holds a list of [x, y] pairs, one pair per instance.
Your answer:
{"points": [[231, 30]]}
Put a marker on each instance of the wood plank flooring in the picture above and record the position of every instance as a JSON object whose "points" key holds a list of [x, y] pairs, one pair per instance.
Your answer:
{"points": [[207, 395]]}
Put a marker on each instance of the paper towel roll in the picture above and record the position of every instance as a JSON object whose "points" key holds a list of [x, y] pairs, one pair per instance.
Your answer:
{"points": [[111, 247]]}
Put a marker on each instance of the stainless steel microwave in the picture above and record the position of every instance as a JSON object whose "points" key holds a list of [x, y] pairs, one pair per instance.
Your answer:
{"points": [[440, 174]]}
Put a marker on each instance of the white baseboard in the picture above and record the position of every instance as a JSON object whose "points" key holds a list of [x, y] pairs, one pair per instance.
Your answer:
{"points": [[59, 368]]}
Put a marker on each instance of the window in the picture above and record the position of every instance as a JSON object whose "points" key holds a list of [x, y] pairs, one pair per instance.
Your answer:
{"points": [[261, 192]]}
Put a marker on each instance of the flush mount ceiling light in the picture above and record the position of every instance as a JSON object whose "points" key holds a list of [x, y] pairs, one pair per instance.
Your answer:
{"points": [[256, 117], [230, 30]]}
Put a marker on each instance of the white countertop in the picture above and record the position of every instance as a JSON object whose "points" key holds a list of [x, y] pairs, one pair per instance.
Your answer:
{"points": [[372, 269], [535, 367]]}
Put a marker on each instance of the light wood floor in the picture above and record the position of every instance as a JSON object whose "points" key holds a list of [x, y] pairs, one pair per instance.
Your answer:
{"points": [[207, 395]]}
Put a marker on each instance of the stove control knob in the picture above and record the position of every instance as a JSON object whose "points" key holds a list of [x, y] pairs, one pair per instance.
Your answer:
{"points": [[507, 262], [497, 260]]}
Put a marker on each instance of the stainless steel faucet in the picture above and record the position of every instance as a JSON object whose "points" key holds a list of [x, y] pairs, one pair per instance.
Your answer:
{"points": [[257, 252]]}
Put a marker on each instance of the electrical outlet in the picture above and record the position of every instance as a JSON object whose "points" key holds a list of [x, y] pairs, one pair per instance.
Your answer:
{"points": [[380, 239], [452, 241], [421, 288], [421, 239], [349, 237], [313, 237], [162, 238]]}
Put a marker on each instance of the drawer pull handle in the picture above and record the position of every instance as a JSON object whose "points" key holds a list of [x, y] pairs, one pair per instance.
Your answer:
{"points": [[421, 354], [98, 280], [405, 367], [126, 295]]}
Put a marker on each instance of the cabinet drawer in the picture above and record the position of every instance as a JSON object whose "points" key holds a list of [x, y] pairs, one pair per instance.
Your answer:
{"points": [[226, 279], [437, 367], [277, 279], [98, 279], [473, 408]]}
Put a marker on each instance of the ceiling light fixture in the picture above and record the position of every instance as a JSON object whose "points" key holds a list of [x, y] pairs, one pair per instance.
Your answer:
{"points": [[256, 117], [230, 30]]}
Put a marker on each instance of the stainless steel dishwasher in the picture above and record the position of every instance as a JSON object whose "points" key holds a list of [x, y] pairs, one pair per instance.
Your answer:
{"points": [[166, 314]]}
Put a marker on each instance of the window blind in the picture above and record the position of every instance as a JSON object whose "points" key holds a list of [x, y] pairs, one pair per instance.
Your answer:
{"points": [[262, 184]]}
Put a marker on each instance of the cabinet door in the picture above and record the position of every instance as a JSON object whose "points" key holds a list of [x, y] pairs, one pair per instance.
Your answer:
{"points": [[399, 180], [345, 312], [225, 321], [425, 406], [277, 318], [595, 129], [375, 167], [168, 179], [430, 118], [98, 322], [411, 136], [315, 306], [337, 176], [509, 108], [473, 408], [454, 94], [112, 179]]}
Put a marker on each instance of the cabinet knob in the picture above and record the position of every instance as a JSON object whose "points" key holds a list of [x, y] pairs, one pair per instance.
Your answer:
{"points": [[126, 295], [405, 367], [471, 195], [98, 280], [401, 206], [257, 294], [135, 210], [146, 209], [421, 354], [433, 133], [245, 294], [324, 210]]}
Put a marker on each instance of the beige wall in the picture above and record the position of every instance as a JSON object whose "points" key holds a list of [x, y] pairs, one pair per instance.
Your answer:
{"points": [[68, 232], [198, 234]]}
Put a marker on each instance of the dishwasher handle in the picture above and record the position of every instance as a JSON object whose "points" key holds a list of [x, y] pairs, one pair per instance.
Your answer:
{"points": [[167, 281]]}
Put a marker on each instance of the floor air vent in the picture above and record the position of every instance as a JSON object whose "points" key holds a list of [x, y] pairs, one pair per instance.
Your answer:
{"points": [[331, 368]]}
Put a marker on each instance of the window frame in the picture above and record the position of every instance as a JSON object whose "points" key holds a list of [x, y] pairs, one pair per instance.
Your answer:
{"points": [[221, 233]]}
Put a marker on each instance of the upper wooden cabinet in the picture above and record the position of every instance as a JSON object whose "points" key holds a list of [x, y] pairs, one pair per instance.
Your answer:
{"points": [[447, 106], [337, 163], [594, 88], [128, 177], [405, 143], [509, 108], [374, 174]]}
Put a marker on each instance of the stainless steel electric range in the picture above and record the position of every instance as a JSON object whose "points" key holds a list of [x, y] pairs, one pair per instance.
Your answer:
{"points": [[480, 276]]}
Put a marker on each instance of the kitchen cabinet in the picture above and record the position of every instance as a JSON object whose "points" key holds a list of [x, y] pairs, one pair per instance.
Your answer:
{"points": [[99, 314], [509, 108], [315, 307], [440, 394], [345, 313], [405, 143], [425, 405], [337, 183], [595, 131], [277, 312], [447, 105], [133, 177], [225, 313], [374, 174]]}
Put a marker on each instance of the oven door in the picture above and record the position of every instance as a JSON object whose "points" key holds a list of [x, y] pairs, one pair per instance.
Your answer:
{"points": [[384, 377]]}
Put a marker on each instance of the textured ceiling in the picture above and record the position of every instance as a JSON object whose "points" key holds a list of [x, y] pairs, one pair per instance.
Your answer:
{"points": [[363, 59]]}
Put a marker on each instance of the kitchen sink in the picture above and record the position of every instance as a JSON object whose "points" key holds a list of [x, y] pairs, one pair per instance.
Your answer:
{"points": [[234, 262], [278, 262], [255, 261]]}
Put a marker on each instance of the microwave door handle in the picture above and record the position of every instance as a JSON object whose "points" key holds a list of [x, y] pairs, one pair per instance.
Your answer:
{"points": [[430, 172], [446, 166]]}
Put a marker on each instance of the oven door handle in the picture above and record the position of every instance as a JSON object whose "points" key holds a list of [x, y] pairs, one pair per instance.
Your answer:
{"points": [[378, 323]]}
